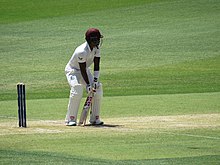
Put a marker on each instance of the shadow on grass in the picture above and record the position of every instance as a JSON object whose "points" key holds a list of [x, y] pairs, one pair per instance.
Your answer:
{"points": [[103, 126], [41, 157]]}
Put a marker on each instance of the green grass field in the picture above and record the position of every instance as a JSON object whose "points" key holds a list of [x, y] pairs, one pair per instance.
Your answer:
{"points": [[160, 70]]}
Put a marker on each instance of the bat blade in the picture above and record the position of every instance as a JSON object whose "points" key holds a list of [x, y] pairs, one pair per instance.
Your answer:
{"points": [[85, 110]]}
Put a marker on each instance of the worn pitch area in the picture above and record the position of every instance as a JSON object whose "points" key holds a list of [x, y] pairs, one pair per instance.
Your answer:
{"points": [[163, 124]]}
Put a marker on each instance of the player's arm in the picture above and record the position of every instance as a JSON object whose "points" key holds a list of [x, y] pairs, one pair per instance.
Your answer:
{"points": [[96, 68], [96, 72], [83, 72]]}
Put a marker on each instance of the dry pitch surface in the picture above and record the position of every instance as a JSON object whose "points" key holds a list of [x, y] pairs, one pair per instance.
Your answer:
{"points": [[162, 124]]}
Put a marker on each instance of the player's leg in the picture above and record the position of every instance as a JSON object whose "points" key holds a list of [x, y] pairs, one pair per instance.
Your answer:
{"points": [[96, 106], [76, 93], [96, 103]]}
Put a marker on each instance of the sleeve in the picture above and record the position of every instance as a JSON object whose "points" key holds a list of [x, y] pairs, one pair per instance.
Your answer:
{"points": [[81, 57], [97, 54]]}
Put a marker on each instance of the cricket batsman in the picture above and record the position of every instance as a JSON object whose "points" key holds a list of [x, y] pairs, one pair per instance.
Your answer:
{"points": [[79, 76]]}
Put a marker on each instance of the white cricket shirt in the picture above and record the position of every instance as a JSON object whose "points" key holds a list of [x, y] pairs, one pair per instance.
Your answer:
{"points": [[82, 54]]}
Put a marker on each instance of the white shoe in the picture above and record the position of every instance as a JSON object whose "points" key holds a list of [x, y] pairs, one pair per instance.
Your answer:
{"points": [[97, 122], [71, 123]]}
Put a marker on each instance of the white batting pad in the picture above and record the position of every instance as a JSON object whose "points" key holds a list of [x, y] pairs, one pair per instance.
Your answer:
{"points": [[76, 94], [96, 104]]}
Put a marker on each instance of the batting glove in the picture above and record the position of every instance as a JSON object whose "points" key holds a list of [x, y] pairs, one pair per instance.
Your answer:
{"points": [[88, 88], [95, 83]]}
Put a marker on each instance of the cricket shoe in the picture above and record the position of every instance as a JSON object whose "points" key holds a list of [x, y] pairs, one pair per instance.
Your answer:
{"points": [[97, 122], [71, 123]]}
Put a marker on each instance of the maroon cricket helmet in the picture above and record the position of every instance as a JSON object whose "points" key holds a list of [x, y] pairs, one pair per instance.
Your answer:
{"points": [[93, 35]]}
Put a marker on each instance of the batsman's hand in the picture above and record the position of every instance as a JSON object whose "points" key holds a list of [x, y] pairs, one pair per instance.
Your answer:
{"points": [[88, 88], [95, 84]]}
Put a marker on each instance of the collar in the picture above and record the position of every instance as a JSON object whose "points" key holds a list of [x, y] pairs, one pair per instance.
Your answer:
{"points": [[87, 45]]}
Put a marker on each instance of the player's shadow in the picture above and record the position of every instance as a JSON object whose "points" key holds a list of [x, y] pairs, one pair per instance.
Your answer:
{"points": [[103, 126]]}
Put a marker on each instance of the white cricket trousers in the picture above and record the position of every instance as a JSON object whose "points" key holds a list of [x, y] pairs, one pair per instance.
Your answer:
{"points": [[77, 84]]}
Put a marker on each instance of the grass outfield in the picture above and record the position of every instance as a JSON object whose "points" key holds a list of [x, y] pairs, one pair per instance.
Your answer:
{"points": [[150, 47], [160, 71], [121, 106]]}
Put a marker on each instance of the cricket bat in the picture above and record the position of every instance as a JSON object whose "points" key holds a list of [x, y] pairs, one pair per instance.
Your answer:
{"points": [[85, 109]]}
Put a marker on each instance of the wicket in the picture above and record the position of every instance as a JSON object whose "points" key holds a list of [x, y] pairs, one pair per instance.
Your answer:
{"points": [[21, 105]]}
